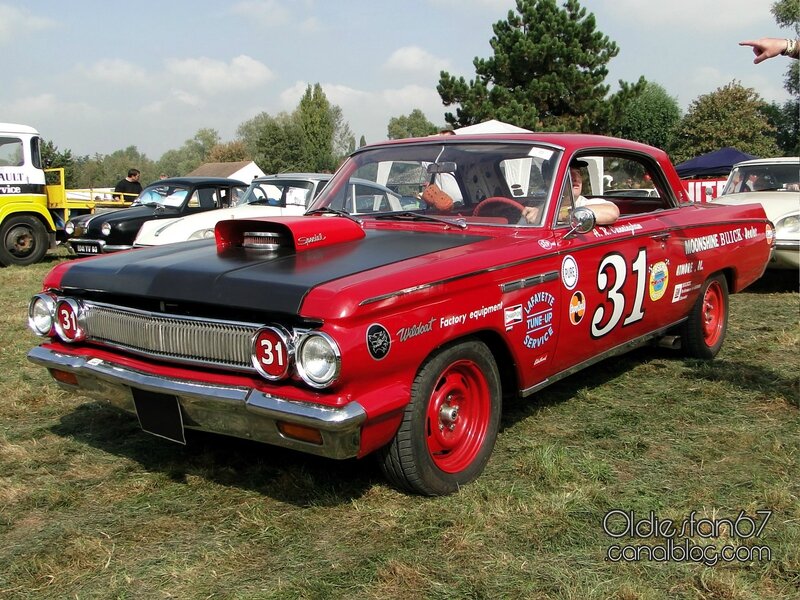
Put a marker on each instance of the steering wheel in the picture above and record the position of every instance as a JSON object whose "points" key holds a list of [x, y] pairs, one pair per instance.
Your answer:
{"points": [[507, 202]]}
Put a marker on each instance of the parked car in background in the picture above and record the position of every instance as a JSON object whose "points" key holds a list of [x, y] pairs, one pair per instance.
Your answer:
{"points": [[271, 196], [112, 231], [775, 184], [367, 326]]}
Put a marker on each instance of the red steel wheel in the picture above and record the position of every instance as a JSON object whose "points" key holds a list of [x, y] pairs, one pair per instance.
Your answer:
{"points": [[704, 330], [450, 423], [458, 416]]}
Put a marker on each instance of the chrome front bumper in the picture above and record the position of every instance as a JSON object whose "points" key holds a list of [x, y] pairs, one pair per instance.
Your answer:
{"points": [[103, 246], [230, 410]]}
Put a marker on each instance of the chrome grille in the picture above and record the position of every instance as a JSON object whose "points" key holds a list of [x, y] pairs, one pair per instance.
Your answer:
{"points": [[173, 337]]}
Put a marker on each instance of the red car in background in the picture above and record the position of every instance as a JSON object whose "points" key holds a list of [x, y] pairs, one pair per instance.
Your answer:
{"points": [[395, 322]]}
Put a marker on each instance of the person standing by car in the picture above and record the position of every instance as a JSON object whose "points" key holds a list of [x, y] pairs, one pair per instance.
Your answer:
{"points": [[770, 47], [128, 188]]}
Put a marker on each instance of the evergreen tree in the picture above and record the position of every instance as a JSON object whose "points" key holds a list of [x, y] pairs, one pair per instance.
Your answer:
{"points": [[730, 116], [547, 73], [415, 124], [315, 120], [52, 158]]}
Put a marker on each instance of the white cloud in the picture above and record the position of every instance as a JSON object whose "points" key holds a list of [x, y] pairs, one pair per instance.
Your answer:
{"points": [[268, 13], [115, 72], [16, 23], [216, 76], [414, 59], [698, 15]]}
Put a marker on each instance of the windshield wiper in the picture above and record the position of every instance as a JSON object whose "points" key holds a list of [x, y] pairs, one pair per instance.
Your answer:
{"points": [[327, 210], [412, 216]]}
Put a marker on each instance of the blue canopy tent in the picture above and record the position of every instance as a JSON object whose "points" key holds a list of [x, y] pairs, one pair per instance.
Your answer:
{"points": [[713, 164]]}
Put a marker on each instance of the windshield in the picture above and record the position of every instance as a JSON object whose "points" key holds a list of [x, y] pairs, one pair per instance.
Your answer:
{"points": [[280, 192], [166, 195], [482, 182], [763, 177]]}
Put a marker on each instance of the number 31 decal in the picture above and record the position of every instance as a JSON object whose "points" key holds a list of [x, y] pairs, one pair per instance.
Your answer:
{"points": [[617, 263]]}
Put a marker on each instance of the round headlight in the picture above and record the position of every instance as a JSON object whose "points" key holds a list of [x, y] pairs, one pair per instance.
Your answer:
{"points": [[69, 227], [202, 234], [318, 360], [41, 311], [105, 228], [790, 224]]}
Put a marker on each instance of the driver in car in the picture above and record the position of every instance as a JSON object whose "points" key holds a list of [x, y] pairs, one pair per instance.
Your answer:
{"points": [[605, 212]]}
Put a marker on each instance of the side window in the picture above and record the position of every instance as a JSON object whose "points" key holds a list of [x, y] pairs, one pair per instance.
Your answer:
{"points": [[635, 185], [11, 152], [194, 200]]}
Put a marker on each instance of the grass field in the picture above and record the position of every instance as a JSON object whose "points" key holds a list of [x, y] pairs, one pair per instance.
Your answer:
{"points": [[90, 507]]}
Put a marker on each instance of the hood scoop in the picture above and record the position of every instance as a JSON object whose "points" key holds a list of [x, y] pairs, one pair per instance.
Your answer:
{"points": [[278, 233]]}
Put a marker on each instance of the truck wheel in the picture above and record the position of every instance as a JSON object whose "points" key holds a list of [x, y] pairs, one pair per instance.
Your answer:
{"points": [[450, 424], [23, 241], [703, 332]]}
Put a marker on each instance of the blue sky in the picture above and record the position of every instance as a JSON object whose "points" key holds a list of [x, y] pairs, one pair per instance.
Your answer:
{"points": [[96, 76]]}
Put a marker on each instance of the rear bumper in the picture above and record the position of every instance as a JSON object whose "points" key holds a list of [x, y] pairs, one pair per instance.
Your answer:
{"points": [[230, 410]]}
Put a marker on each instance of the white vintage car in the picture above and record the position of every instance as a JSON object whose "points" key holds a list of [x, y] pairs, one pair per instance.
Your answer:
{"points": [[775, 184]]}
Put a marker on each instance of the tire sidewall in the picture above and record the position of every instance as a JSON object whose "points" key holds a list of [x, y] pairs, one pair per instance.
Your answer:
{"points": [[38, 232], [696, 343], [438, 481]]}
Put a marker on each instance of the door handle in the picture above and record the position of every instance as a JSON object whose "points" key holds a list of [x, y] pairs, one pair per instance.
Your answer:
{"points": [[660, 237]]}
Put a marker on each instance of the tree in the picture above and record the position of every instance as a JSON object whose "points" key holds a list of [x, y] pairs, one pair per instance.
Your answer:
{"points": [[314, 117], [229, 152], [52, 158], [787, 14], [191, 155], [547, 73], [278, 147], [786, 121], [649, 117], [344, 142], [362, 141], [730, 116], [415, 124]]}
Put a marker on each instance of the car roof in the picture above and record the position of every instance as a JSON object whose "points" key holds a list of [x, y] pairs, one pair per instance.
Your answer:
{"points": [[778, 160], [307, 176], [197, 181]]}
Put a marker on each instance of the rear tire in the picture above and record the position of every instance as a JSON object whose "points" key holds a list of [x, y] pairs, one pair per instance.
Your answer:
{"points": [[23, 241], [450, 424], [704, 331]]}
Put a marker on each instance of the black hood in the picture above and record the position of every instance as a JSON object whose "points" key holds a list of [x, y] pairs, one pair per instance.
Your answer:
{"points": [[133, 215], [236, 277]]}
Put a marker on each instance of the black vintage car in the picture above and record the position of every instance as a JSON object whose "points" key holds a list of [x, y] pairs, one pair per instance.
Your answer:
{"points": [[174, 197]]}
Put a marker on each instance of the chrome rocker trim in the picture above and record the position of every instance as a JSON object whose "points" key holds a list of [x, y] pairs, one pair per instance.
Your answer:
{"points": [[237, 411]]}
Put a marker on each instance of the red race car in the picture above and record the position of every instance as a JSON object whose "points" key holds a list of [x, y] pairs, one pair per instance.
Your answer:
{"points": [[393, 318]]}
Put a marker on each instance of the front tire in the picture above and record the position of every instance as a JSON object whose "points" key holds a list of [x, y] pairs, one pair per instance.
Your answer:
{"points": [[23, 241], [704, 331], [450, 424]]}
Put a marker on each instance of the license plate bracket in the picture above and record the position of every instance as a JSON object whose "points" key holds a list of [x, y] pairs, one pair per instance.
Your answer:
{"points": [[159, 415], [87, 249]]}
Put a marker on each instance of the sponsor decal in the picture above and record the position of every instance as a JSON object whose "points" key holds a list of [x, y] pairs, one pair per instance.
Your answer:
{"points": [[689, 268], [312, 239], [750, 233], [577, 307], [659, 278], [513, 316], [539, 319], [378, 341], [540, 359], [712, 240], [474, 315], [406, 333], [681, 291], [547, 244], [569, 272]]}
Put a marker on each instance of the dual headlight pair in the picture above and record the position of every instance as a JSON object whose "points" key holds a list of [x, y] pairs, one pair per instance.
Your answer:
{"points": [[105, 228], [275, 351]]}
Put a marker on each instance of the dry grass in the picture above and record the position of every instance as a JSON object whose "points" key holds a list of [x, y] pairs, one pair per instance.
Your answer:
{"points": [[90, 507]]}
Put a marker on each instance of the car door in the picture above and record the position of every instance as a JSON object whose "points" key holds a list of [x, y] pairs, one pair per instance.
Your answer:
{"points": [[614, 278]]}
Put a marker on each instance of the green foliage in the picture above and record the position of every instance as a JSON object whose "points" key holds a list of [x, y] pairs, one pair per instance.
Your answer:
{"points": [[51, 157], [730, 116], [547, 73], [786, 121], [229, 152], [315, 120], [415, 124], [362, 141], [188, 157], [278, 144], [787, 14], [649, 117]]}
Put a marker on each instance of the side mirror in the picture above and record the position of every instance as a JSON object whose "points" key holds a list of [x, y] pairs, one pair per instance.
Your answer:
{"points": [[582, 220]]}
